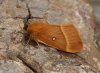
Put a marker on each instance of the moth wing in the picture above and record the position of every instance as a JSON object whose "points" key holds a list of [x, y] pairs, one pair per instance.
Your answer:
{"points": [[74, 42], [53, 36], [62, 37]]}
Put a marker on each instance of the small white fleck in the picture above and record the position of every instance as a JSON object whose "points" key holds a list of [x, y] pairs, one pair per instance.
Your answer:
{"points": [[53, 38]]}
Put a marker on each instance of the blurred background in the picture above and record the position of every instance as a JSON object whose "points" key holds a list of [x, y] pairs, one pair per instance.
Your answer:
{"points": [[96, 7]]}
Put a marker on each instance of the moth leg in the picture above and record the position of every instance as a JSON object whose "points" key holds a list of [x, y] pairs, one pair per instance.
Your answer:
{"points": [[34, 38], [37, 43], [27, 42]]}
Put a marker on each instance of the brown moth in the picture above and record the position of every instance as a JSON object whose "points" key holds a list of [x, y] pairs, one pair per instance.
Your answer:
{"points": [[63, 37]]}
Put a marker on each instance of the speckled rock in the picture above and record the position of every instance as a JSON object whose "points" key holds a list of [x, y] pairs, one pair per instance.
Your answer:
{"points": [[76, 12], [9, 67], [13, 9], [38, 8], [97, 35], [2, 44]]}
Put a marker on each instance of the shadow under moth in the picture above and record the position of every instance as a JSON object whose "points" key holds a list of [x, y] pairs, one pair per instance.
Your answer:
{"points": [[63, 37]]}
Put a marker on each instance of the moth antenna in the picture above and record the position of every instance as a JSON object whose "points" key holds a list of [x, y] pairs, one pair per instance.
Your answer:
{"points": [[27, 42], [24, 31]]}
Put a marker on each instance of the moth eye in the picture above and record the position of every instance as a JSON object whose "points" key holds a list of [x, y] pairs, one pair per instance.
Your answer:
{"points": [[53, 38]]}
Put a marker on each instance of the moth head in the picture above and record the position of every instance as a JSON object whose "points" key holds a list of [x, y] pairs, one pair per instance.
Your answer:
{"points": [[34, 27]]}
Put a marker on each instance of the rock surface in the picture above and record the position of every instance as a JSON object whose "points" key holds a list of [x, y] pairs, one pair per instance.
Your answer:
{"points": [[77, 12]]}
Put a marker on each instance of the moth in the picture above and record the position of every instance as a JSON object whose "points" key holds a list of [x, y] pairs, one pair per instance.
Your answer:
{"points": [[64, 37]]}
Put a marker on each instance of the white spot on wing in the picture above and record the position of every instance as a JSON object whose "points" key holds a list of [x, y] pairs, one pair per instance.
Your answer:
{"points": [[53, 38]]}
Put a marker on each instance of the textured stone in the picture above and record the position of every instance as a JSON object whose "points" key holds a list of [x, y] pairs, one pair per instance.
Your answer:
{"points": [[10, 26], [97, 35], [76, 12], [9, 67], [23, 67], [2, 44], [0, 33], [13, 9], [38, 8]]}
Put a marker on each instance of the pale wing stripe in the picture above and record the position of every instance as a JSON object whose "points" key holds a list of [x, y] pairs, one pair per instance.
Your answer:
{"points": [[61, 26]]}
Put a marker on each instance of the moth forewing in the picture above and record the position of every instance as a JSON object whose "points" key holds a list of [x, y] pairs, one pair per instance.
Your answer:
{"points": [[62, 37]]}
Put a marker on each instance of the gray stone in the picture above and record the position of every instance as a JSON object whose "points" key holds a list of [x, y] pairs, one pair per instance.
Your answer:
{"points": [[2, 44], [76, 12], [0, 33], [38, 8], [97, 35], [9, 67], [13, 9]]}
